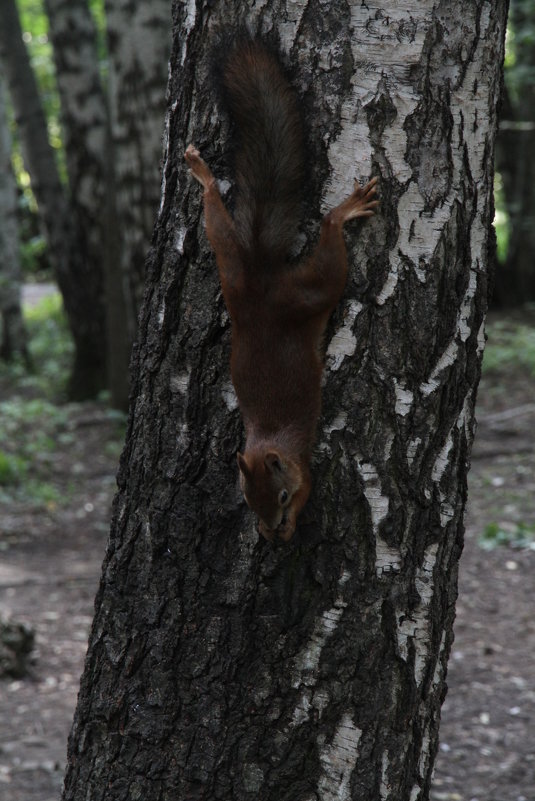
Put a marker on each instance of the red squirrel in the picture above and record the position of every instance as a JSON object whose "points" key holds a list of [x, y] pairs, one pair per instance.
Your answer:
{"points": [[278, 310]]}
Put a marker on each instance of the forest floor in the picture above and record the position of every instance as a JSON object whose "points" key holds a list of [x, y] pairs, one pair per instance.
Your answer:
{"points": [[51, 554]]}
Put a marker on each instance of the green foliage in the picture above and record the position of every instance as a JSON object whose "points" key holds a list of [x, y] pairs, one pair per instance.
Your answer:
{"points": [[501, 219], [510, 345], [519, 50], [28, 430], [516, 535], [51, 350], [34, 429]]}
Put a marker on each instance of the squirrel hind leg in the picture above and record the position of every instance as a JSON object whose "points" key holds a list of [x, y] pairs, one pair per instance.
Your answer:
{"points": [[362, 202]]}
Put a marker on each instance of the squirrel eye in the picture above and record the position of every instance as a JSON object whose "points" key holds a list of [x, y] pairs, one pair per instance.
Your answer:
{"points": [[283, 497]]}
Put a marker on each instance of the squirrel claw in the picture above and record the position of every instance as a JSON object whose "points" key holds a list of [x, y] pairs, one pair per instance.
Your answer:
{"points": [[198, 168]]}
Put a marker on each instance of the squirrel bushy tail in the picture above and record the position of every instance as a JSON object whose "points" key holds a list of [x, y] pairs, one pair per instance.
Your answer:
{"points": [[269, 158]]}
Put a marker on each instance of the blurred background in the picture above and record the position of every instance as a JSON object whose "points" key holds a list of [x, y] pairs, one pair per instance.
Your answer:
{"points": [[82, 106]]}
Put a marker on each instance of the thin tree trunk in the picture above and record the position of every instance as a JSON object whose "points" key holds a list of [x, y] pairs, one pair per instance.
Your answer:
{"points": [[13, 340], [139, 39], [515, 280], [75, 279], [85, 130], [220, 666]]}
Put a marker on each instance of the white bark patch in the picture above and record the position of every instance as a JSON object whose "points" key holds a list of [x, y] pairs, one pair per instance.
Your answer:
{"points": [[338, 761], [180, 382], [161, 313], [180, 236], [182, 438], [377, 34], [191, 14], [302, 710], [424, 753], [229, 396], [338, 424], [442, 460], [412, 449], [344, 342], [320, 701], [393, 41], [387, 558], [415, 792], [415, 629], [404, 398], [383, 788], [307, 661], [165, 161], [446, 360], [419, 230], [289, 28], [389, 285]]}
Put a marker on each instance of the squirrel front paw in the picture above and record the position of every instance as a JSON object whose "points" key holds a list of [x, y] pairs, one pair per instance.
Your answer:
{"points": [[267, 533], [198, 168], [362, 202], [283, 532], [286, 530]]}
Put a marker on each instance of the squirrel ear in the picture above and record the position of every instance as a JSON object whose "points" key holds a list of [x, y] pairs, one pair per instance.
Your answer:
{"points": [[242, 464], [272, 461]]}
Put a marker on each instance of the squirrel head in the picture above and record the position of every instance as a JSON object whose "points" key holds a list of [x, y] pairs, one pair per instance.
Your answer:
{"points": [[269, 480]]}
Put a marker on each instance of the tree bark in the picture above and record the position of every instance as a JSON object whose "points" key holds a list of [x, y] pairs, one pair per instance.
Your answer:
{"points": [[139, 42], [220, 666], [74, 276], [13, 340]]}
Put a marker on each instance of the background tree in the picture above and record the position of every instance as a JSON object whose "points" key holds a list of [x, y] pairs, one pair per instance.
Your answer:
{"points": [[139, 42], [515, 280], [84, 119], [73, 273], [13, 334], [218, 665], [99, 221]]}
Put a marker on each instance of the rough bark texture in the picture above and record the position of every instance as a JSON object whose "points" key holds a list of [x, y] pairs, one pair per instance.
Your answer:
{"points": [[74, 278], [220, 666], [13, 333], [139, 40]]}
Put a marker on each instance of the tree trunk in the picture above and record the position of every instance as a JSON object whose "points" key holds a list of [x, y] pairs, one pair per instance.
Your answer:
{"points": [[85, 131], [220, 666], [515, 280], [74, 277], [13, 333], [139, 42]]}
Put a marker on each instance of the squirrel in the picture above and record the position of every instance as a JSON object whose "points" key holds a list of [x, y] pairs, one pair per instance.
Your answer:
{"points": [[278, 310]]}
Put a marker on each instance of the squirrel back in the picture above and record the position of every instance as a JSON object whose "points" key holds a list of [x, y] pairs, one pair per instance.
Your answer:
{"points": [[269, 158]]}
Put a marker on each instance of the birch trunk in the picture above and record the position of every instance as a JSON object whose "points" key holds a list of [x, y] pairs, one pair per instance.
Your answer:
{"points": [[85, 134], [13, 333], [220, 666], [139, 41], [74, 277]]}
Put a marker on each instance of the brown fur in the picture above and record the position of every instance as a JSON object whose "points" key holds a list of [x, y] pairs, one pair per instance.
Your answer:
{"points": [[278, 312]]}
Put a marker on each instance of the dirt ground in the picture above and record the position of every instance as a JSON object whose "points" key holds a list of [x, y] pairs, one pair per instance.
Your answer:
{"points": [[50, 564]]}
